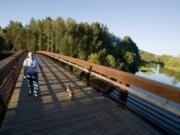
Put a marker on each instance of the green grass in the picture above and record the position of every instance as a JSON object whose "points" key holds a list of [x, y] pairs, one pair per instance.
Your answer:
{"points": [[146, 69], [176, 69]]}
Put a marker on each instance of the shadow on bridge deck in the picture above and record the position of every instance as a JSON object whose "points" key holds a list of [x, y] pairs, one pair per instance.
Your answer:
{"points": [[53, 113]]}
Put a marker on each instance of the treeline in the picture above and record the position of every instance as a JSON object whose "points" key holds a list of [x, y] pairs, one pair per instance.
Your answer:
{"points": [[149, 57], [167, 61], [92, 42]]}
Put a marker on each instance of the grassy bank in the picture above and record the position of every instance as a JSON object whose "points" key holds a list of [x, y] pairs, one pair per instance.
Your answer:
{"points": [[175, 69], [145, 69]]}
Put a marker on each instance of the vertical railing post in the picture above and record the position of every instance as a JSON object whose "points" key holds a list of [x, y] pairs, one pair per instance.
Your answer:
{"points": [[88, 75], [123, 95]]}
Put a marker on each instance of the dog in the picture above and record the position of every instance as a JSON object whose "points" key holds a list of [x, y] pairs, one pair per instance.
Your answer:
{"points": [[69, 92]]}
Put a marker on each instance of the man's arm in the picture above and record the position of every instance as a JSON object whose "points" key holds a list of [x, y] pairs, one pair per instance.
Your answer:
{"points": [[25, 63]]}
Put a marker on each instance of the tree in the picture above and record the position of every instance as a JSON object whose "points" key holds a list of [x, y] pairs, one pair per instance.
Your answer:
{"points": [[96, 42], [40, 35], [2, 42], [110, 60], [59, 30], [130, 54], [85, 38], [71, 35], [94, 58], [15, 35], [47, 24]]}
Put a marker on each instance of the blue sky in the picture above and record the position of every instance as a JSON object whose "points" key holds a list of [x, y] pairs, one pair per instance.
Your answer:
{"points": [[154, 25]]}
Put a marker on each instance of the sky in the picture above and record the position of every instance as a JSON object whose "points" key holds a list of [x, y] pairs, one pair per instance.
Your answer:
{"points": [[154, 25]]}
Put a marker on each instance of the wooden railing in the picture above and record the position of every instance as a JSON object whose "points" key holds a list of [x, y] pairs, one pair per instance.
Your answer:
{"points": [[9, 72], [168, 92]]}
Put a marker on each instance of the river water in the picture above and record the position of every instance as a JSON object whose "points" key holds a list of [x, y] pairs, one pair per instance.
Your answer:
{"points": [[162, 75]]}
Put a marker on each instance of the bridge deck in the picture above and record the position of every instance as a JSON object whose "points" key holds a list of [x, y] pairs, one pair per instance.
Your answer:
{"points": [[53, 113]]}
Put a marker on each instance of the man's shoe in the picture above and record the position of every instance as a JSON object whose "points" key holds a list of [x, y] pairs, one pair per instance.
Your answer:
{"points": [[29, 93], [36, 95]]}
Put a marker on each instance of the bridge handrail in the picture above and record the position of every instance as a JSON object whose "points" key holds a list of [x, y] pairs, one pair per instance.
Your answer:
{"points": [[9, 72], [7, 64], [166, 91]]}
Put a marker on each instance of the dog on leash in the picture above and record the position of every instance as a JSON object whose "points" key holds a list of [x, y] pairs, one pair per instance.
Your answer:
{"points": [[69, 92]]}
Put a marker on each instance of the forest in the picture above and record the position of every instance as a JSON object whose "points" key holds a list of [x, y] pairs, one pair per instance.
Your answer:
{"points": [[92, 42]]}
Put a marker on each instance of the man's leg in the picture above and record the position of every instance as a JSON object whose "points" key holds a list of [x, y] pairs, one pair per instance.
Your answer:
{"points": [[35, 84], [30, 84]]}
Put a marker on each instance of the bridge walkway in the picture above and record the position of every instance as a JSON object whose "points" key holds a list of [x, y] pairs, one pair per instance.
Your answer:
{"points": [[88, 112]]}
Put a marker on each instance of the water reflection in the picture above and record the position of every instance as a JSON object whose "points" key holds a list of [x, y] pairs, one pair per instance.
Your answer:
{"points": [[172, 74], [161, 74]]}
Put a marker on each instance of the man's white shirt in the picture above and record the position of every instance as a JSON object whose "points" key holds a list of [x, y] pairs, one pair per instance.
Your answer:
{"points": [[31, 65]]}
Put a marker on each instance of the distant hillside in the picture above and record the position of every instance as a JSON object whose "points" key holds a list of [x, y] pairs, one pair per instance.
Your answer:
{"points": [[147, 56]]}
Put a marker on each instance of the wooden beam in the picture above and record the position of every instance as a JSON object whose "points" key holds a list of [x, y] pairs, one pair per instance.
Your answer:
{"points": [[160, 89]]}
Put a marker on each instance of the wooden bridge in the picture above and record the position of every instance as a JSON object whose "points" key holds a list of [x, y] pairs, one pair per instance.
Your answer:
{"points": [[104, 100]]}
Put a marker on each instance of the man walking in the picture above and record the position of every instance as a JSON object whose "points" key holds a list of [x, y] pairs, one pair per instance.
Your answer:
{"points": [[31, 64]]}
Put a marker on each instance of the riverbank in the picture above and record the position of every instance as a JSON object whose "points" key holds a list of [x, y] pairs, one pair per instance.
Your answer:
{"points": [[175, 69], [146, 69]]}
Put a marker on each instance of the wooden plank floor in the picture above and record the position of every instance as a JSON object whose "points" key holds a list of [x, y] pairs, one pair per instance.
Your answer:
{"points": [[88, 113]]}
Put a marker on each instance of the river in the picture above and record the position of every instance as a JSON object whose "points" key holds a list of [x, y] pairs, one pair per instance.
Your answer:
{"points": [[162, 75]]}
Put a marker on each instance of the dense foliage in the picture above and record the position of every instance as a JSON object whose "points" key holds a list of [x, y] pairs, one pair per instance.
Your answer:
{"points": [[92, 42]]}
